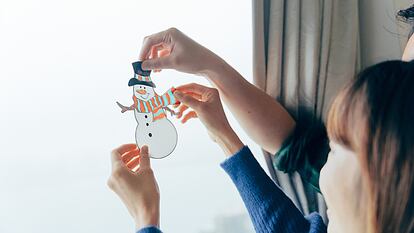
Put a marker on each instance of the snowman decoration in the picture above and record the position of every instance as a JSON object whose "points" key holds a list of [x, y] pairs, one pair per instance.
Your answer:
{"points": [[153, 129]]}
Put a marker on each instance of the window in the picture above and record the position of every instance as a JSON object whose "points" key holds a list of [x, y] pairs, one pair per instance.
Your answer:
{"points": [[64, 65]]}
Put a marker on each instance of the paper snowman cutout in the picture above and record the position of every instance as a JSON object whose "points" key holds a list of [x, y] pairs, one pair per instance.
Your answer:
{"points": [[154, 128]]}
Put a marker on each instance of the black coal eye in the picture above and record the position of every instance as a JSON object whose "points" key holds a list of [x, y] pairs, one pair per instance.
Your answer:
{"points": [[145, 88]]}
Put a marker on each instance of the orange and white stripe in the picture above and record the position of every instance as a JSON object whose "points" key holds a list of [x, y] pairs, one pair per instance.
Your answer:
{"points": [[143, 78], [156, 104]]}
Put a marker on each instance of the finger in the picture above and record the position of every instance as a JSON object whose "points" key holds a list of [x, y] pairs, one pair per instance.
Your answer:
{"points": [[154, 54], [155, 50], [187, 100], [157, 63], [193, 87], [134, 163], [126, 147], [129, 155], [195, 95], [144, 158], [181, 110], [188, 116], [164, 52], [118, 152], [150, 41], [135, 169]]}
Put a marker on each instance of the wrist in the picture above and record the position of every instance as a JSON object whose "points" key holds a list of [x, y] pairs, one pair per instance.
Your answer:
{"points": [[216, 68], [229, 142], [223, 77], [147, 218]]}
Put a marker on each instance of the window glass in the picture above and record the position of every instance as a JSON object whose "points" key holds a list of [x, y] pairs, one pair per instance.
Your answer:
{"points": [[64, 65]]}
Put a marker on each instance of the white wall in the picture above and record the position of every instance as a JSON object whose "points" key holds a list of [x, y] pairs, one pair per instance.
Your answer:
{"points": [[382, 36]]}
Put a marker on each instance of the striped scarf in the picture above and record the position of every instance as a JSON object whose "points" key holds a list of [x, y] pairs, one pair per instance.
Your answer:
{"points": [[155, 104]]}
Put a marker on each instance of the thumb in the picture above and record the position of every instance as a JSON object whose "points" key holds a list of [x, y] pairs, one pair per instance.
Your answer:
{"points": [[117, 153], [157, 63], [187, 100], [144, 160]]}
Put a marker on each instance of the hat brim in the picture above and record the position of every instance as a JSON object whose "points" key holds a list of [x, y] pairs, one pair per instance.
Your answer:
{"points": [[134, 81]]}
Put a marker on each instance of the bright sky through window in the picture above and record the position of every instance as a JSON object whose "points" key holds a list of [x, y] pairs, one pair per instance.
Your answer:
{"points": [[64, 65]]}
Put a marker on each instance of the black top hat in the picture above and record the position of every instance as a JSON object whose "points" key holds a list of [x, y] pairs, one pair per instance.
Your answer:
{"points": [[141, 77], [134, 81], [138, 69]]}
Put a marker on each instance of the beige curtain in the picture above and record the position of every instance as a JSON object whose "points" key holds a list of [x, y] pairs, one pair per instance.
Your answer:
{"points": [[304, 51]]}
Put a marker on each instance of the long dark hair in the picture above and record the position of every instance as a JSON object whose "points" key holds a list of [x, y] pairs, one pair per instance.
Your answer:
{"points": [[374, 117]]}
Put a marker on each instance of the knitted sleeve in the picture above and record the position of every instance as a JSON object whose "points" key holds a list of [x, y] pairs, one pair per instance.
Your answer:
{"points": [[269, 208], [305, 152], [149, 229]]}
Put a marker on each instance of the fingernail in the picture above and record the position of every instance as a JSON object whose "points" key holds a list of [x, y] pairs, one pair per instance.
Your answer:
{"points": [[144, 147], [144, 65], [178, 94]]}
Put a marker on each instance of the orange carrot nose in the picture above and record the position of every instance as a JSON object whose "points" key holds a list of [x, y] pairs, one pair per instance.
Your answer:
{"points": [[142, 92]]}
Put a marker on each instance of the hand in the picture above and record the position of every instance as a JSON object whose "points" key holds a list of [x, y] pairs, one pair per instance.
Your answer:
{"points": [[171, 49], [207, 106], [137, 190]]}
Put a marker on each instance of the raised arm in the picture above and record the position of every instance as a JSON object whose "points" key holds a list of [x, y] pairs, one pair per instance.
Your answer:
{"points": [[269, 208], [262, 117]]}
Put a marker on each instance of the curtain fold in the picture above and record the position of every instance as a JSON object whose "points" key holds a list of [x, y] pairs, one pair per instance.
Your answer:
{"points": [[303, 53]]}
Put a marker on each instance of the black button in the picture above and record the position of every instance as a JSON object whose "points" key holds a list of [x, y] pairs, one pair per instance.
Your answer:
{"points": [[147, 124], [150, 134], [146, 116]]}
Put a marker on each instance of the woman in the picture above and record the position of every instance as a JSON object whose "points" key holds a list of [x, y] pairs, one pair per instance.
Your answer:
{"points": [[360, 150], [371, 134]]}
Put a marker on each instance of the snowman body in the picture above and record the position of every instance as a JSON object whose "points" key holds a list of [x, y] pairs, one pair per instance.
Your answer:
{"points": [[160, 135]]}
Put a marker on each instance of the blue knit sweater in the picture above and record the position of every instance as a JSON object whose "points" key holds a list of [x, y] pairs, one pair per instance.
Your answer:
{"points": [[269, 208]]}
